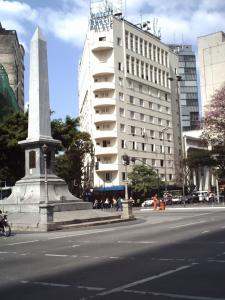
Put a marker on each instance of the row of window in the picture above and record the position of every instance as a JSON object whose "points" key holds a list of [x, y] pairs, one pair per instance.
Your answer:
{"points": [[147, 90], [146, 49], [132, 145], [150, 105], [146, 71]]}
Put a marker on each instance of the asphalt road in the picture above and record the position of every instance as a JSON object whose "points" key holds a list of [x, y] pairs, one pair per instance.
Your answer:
{"points": [[162, 255]]}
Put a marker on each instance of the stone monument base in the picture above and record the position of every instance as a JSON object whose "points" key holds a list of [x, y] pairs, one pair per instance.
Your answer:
{"points": [[30, 193]]}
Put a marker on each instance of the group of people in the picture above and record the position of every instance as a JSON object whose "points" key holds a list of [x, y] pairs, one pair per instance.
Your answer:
{"points": [[159, 203], [109, 203]]}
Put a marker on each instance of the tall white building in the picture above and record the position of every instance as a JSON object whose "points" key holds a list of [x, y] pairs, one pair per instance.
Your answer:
{"points": [[211, 51], [125, 99]]}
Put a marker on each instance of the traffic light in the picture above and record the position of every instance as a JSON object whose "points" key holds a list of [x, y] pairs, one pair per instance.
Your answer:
{"points": [[126, 159]]}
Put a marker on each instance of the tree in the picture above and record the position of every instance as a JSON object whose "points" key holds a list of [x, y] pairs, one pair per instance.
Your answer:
{"points": [[214, 122], [12, 160], [143, 179], [75, 146]]}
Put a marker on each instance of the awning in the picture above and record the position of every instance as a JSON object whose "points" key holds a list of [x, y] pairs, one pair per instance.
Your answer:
{"points": [[111, 188]]}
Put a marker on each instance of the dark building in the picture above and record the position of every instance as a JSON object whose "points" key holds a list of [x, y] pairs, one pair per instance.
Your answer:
{"points": [[12, 59]]}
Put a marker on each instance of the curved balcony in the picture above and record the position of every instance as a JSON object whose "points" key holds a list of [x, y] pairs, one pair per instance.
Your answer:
{"points": [[103, 86], [107, 167], [104, 102], [100, 134], [105, 150], [102, 69], [99, 118], [102, 45]]}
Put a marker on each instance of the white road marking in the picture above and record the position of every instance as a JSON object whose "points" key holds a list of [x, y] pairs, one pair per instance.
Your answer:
{"points": [[91, 288], [216, 260], [85, 256], [74, 246], [206, 231], [27, 242], [52, 284], [7, 252], [176, 296], [136, 242], [57, 255], [188, 224], [81, 233], [114, 257], [147, 279]]}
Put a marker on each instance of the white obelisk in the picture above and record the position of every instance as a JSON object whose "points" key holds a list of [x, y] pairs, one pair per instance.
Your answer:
{"points": [[39, 107], [40, 185]]}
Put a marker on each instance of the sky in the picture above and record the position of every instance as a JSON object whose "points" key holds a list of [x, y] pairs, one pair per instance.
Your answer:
{"points": [[64, 24]]}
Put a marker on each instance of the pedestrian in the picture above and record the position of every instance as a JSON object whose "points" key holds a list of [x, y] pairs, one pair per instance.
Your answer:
{"points": [[114, 202], [119, 204], [155, 201]]}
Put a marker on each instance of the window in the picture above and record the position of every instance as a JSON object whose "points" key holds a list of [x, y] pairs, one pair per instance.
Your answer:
{"points": [[136, 44], [140, 88], [119, 41], [142, 117], [159, 107], [134, 146], [153, 162], [119, 66], [169, 150], [143, 146], [121, 96], [152, 133], [103, 38], [132, 115], [141, 46], [150, 50], [120, 81], [137, 67], [132, 66], [122, 128], [161, 162], [132, 130], [154, 53], [131, 98], [143, 132], [130, 84], [159, 121], [141, 102], [151, 119], [155, 74], [167, 123], [168, 135], [108, 176], [160, 135], [123, 144], [132, 42], [126, 39], [123, 176], [152, 147], [122, 112]]}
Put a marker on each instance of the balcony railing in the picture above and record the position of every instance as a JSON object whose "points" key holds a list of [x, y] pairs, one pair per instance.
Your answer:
{"points": [[105, 118], [105, 150], [101, 45]]}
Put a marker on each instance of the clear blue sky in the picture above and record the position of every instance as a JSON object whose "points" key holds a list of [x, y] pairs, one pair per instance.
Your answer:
{"points": [[64, 24]]}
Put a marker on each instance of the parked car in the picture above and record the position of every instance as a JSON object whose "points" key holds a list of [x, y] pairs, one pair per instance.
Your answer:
{"points": [[177, 199], [147, 203], [201, 196]]}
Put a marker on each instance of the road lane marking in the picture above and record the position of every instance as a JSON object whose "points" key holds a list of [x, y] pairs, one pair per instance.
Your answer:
{"points": [[206, 231], [114, 257], [56, 255], [187, 224], [147, 279], [19, 243], [74, 246], [51, 284], [136, 242], [176, 296], [216, 260], [81, 233], [90, 288], [7, 252]]}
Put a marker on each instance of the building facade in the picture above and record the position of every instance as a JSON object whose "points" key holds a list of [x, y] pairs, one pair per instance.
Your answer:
{"points": [[125, 99], [12, 59], [211, 51], [188, 86]]}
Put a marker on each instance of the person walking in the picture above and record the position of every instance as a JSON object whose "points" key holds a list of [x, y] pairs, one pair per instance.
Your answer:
{"points": [[155, 202]]}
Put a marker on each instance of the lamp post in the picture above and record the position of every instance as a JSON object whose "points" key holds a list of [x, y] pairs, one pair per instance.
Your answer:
{"points": [[45, 151], [127, 204], [164, 151]]}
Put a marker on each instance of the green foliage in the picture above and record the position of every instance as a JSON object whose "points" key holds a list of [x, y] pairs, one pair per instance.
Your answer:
{"points": [[75, 145], [143, 179], [12, 160], [199, 158]]}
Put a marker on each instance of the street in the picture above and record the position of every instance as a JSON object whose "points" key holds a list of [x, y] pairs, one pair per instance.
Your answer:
{"points": [[176, 254]]}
